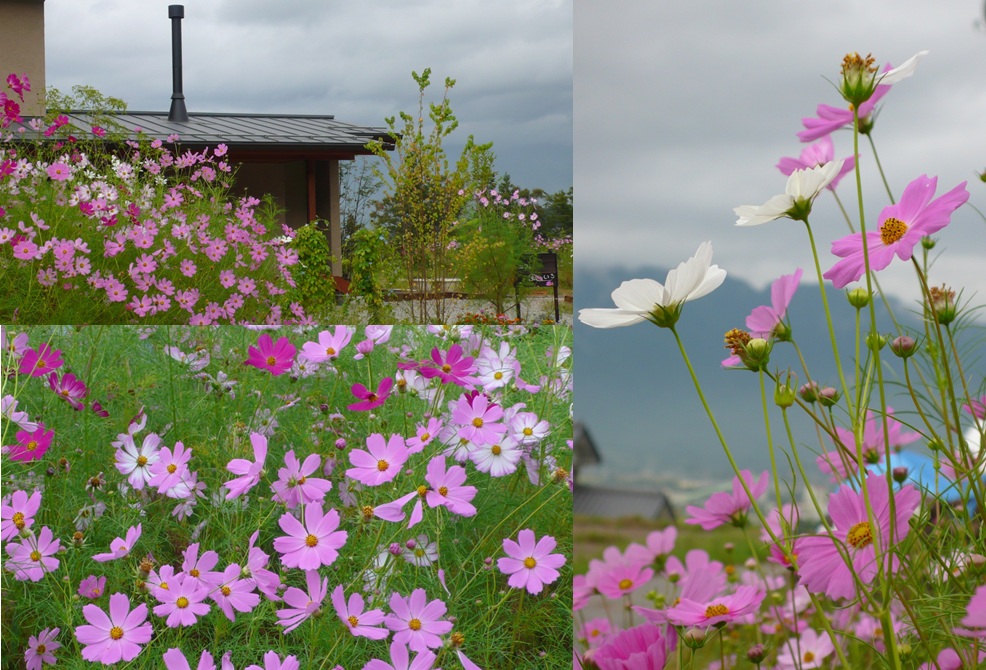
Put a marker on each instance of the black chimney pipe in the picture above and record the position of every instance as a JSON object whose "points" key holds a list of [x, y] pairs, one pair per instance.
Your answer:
{"points": [[178, 112]]}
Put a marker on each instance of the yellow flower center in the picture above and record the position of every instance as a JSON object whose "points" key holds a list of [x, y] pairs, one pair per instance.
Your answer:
{"points": [[163, 585], [35, 555], [194, 572], [172, 468], [19, 520], [302, 480], [141, 461], [367, 511], [497, 375], [528, 432], [425, 437], [443, 490], [809, 657], [414, 624], [182, 602], [422, 490], [116, 633], [892, 230], [225, 590], [530, 563], [353, 621], [32, 445], [311, 540], [64, 393], [446, 368], [496, 449], [860, 535], [330, 351], [625, 584], [382, 465], [41, 364], [41, 649], [477, 422], [716, 609], [271, 360]]}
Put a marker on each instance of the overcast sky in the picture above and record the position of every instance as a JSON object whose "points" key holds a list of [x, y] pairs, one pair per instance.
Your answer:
{"points": [[684, 108], [512, 61]]}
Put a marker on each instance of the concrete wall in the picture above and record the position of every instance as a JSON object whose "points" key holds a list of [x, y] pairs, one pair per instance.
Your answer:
{"points": [[22, 36]]}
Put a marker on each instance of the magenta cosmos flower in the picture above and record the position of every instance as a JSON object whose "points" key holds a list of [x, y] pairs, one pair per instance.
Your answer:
{"points": [[116, 637], [448, 488], [69, 388], [40, 649], [530, 563], [416, 621], [901, 226], [34, 556], [249, 471], [477, 419], [381, 462], [644, 647], [452, 368], [31, 446], [722, 508], [276, 358], [371, 399], [975, 615], [41, 361], [313, 544], [720, 609], [359, 623], [820, 564]]}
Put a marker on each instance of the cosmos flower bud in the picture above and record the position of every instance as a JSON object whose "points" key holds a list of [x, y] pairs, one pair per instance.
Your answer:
{"points": [[809, 391], [858, 297], [900, 474], [943, 304], [875, 341], [903, 346], [694, 638], [756, 654], [829, 396], [928, 242], [784, 393]]}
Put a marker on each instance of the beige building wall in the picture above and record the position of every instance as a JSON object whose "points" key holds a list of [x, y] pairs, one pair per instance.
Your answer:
{"points": [[22, 34]]}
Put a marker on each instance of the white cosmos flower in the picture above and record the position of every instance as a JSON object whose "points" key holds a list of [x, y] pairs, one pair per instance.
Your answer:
{"points": [[902, 71], [648, 300], [802, 188]]}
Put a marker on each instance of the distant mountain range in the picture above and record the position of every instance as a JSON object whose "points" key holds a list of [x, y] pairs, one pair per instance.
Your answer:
{"points": [[635, 396]]}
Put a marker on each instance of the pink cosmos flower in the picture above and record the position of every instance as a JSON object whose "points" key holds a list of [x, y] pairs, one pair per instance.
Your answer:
{"points": [[295, 485], [369, 399], [530, 564], [41, 361], [267, 582], [400, 659], [183, 602], [18, 514], [447, 488], [170, 469], [949, 659], [820, 153], [900, 227], [117, 637], [69, 388], [120, 547], [820, 564], [830, 118], [976, 407], [809, 650], [498, 459], [40, 649], [273, 662], [249, 471], [199, 569], [92, 587], [658, 546], [235, 592], [975, 615], [617, 579], [25, 249], [312, 544], [381, 462], [873, 445], [763, 320], [136, 462], [31, 446], [174, 659], [721, 609], [424, 435], [34, 557], [303, 605], [329, 345], [477, 416], [268, 355], [644, 647], [416, 621], [722, 508]]}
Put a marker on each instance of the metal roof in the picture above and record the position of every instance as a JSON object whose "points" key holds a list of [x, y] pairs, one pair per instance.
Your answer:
{"points": [[263, 132]]}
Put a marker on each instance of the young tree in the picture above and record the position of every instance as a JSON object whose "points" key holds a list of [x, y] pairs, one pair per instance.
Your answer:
{"points": [[423, 195]]}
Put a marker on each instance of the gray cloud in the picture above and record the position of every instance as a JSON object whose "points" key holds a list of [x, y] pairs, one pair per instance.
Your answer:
{"points": [[512, 61]]}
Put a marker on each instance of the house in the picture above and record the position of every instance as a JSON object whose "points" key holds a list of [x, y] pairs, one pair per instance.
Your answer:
{"points": [[294, 158], [608, 501]]}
